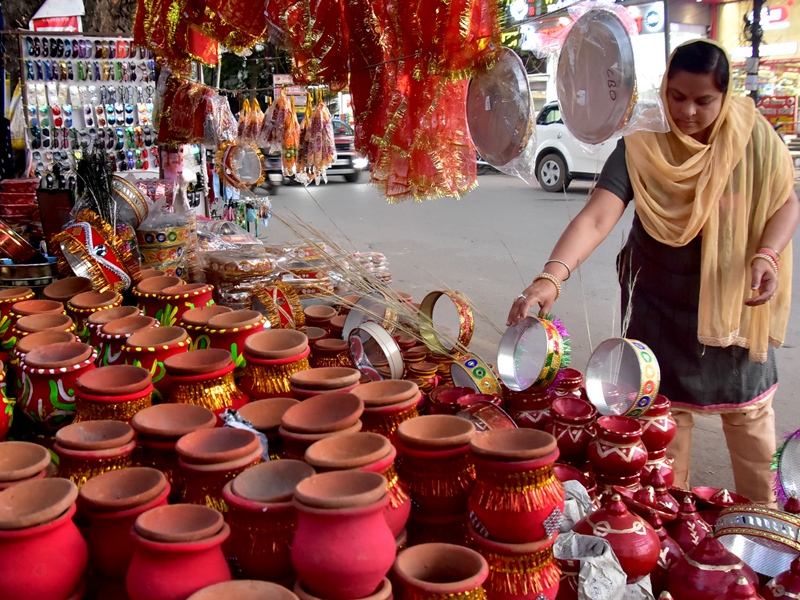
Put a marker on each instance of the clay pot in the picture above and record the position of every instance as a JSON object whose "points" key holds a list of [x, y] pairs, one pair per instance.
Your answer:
{"points": [[666, 501], [315, 334], [618, 450], [176, 300], [9, 297], [689, 528], [37, 526], [46, 322], [265, 416], [573, 426], [431, 571], [311, 382], [516, 498], [112, 393], [384, 592], [607, 485], [634, 541], [716, 499], [568, 473], [444, 399], [88, 303], [434, 459], [784, 584], [568, 382], [47, 380], [530, 410], [740, 589], [706, 570], [146, 293], [25, 308], [263, 519], [204, 378], [218, 445], [150, 348], [271, 358], [331, 352], [320, 316], [518, 571], [229, 331], [148, 272], [670, 553], [21, 461], [332, 507], [113, 501], [658, 461], [295, 444], [658, 425], [323, 413], [337, 326], [194, 321], [244, 590], [113, 335], [28, 343], [90, 448], [178, 551], [63, 290], [439, 529], [388, 403]]}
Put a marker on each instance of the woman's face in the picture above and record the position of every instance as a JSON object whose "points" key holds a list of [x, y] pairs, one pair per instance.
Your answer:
{"points": [[694, 101]]}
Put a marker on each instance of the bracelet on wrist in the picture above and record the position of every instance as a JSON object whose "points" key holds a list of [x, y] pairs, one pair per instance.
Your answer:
{"points": [[561, 262], [767, 250], [773, 263], [552, 279]]}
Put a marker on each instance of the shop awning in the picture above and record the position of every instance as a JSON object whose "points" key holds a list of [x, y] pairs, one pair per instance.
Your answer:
{"points": [[59, 15]]}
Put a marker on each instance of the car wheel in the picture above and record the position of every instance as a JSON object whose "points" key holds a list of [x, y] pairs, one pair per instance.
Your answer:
{"points": [[352, 177], [552, 173]]}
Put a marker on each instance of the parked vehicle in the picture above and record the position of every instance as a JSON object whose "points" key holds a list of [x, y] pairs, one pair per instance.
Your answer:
{"points": [[560, 157]]}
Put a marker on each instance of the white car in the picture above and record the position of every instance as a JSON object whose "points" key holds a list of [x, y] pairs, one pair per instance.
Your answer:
{"points": [[560, 157]]}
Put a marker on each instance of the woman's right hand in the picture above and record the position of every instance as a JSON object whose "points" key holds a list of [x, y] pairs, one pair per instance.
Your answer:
{"points": [[542, 292]]}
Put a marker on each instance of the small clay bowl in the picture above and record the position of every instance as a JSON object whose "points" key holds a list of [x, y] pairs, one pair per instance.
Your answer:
{"points": [[114, 380], [265, 415], [148, 272], [331, 345], [341, 489], [64, 289], [309, 438], [337, 322], [179, 523], [57, 356], [128, 325], [325, 378], [276, 344], [13, 293], [315, 333], [101, 317], [34, 502], [198, 362], [154, 285], [333, 411], [384, 591], [123, 489], [186, 288], [513, 444], [218, 445], [43, 338], [386, 392], [436, 432], [236, 319], [93, 299], [352, 451], [320, 312], [172, 421], [44, 322], [22, 460], [271, 482], [36, 307], [198, 317], [434, 566], [94, 435], [244, 589], [157, 336]]}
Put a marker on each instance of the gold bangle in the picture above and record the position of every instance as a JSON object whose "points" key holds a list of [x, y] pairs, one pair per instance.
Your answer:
{"points": [[777, 254], [552, 279], [561, 262], [767, 258]]}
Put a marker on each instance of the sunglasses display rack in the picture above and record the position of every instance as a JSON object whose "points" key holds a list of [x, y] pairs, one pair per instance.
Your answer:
{"points": [[82, 93]]}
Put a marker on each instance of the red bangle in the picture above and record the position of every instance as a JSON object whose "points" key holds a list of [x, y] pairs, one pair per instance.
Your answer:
{"points": [[769, 252]]}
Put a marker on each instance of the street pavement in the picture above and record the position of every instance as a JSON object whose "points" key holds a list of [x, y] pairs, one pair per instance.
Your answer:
{"points": [[489, 245]]}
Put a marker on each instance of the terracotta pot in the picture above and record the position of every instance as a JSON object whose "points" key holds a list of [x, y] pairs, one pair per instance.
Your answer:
{"points": [[9, 297], [203, 482], [194, 322], [658, 425], [178, 551], [658, 461], [634, 541], [431, 571], [706, 570], [331, 352], [671, 552], [244, 590], [113, 335], [81, 306], [21, 461], [434, 460], [323, 413], [444, 399], [263, 519], [148, 272], [568, 382], [337, 326], [271, 358], [91, 448], [606, 485], [784, 584], [617, 451], [265, 416], [384, 592], [146, 293], [26, 552], [229, 331], [332, 507], [386, 419], [176, 300], [689, 528], [218, 445], [530, 410], [573, 426], [25, 308], [425, 372], [516, 498], [740, 589], [48, 376], [46, 322], [28, 343], [518, 571], [114, 500], [295, 444], [64, 289], [310, 382], [439, 529], [320, 316], [112, 393], [315, 334], [150, 349]]}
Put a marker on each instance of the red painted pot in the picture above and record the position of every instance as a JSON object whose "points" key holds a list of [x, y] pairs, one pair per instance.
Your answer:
{"points": [[203, 483], [174, 301], [618, 450], [444, 399], [689, 529], [568, 382], [386, 419], [24, 308], [658, 461], [634, 541], [573, 426], [150, 348], [530, 410], [96, 320], [784, 584], [671, 552], [446, 529], [147, 290], [83, 305], [79, 466], [113, 335], [431, 571], [229, 331], [112, 393], [194, 322], [215, 390], [46, 322], [9, 297], [265, 378], [658, 425], [25, 345], [331, 353]]}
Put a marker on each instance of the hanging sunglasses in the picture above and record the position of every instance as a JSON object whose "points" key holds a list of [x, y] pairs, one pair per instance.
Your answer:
{"points": [[110, 112], [101, 116], [76, 49], [36, 135], [54, 47], [58, 120], [47, 75], [29, 69], [88, 116], [45, 48], [120, 139], [29, 44], [67, 115], [66, 138], [45, 137], [67, 48], [129, 114], [59, 48]]}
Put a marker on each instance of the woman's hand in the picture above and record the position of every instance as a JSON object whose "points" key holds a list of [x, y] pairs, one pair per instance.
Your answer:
{"points": [[542, 292], [764, 280]]}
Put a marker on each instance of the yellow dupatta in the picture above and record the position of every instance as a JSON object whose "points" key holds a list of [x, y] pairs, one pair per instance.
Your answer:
{"points": [[728, 189]]}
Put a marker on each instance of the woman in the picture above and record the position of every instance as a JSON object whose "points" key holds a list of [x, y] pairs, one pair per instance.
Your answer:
{"points": [[706, 271]]}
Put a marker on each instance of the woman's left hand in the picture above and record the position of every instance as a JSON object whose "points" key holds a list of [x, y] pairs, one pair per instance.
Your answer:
{"points": [[763, 281]]}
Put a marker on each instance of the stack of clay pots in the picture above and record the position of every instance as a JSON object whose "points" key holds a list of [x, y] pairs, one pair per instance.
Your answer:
{"points": [[22, 461], [388, 403], [8, 298], [63, 290], [331, 352], [112, 335], [617, 454], [333, 507], [117, 393], [271, 358], [437, 570], [434, 460], [25, 345], [151, 348], [263, 519], [175, 300], [228, 331], [194, 321], [658, 430], [46, 322], [573, 425], [320, 315], [244, 589], [25, 308], [83, 305], [147, 290], [319, 417], [265, 417], [530, 410], [90, 448], [311, 382], [96, 320]]}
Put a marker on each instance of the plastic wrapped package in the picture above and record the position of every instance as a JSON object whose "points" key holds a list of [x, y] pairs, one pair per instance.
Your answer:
{"points": [[240, 165], [164, 238], [291, 141], [265, 132], [159, 192], [227, 235], [221, 125], [253, 121], [183, 118], [500, 116], [236, 273]]}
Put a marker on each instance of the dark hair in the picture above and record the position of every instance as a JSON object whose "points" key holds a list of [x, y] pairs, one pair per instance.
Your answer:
{"points": [[702, 57]]}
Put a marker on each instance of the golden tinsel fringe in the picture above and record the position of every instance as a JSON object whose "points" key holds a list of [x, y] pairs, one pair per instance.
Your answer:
{"points": [[453, 477], [398, 494], [80, 471], [523, 575], [165, 461], [340, 360], [518, 492], [256, 536], [214, 394], [386, 424], [272, 379], [87, 410], [203, 487], [477, 594]]}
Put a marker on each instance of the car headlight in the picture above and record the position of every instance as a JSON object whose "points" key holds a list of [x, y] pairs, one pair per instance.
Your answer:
{"points": [[360, 163]]}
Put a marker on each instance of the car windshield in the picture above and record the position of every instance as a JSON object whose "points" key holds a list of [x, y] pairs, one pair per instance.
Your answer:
{"points": [[549, 115], [342, 128]]}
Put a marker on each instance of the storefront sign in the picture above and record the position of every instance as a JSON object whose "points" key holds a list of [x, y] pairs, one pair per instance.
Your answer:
{"points": [[776, 17], [781, 111], [782, 49], [58, 15]]}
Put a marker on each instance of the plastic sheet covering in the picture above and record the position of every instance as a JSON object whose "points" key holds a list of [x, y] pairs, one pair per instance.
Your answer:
{"points": [[600, 576], [221, 125], [577, 505], [224, 235]]}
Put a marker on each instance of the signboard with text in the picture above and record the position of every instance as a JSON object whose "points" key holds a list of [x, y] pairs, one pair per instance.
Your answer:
{"points": [[780, 111]]}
